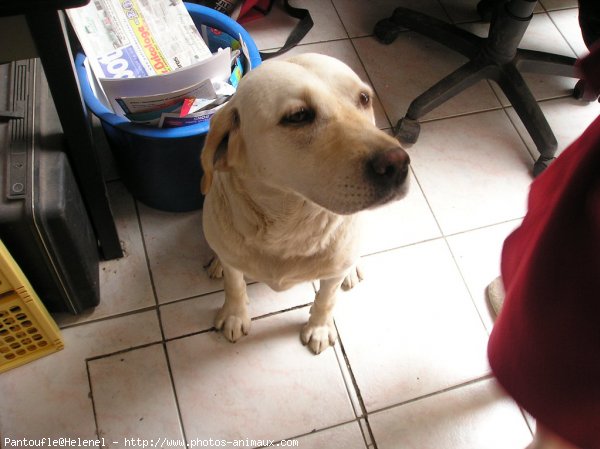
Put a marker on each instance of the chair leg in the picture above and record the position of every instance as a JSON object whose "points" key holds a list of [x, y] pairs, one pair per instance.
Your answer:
{"points": [[49, 33], [442, 32], [514, 87], [407, 129], [558, 65], [448, 87], [532, 61]]}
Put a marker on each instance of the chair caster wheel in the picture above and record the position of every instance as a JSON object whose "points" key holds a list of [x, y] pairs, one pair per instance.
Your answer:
{"points": [[583, 92], [407, 131], [541, 164], [386, 31]]}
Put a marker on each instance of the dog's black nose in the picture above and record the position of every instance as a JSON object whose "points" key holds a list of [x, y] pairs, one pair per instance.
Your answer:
{"points": [[389, 168]]}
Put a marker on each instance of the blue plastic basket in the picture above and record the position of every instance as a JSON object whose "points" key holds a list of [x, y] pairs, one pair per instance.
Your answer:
{"points": [[161, 167]]}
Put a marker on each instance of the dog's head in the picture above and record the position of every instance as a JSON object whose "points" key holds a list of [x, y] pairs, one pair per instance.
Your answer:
{"points": [[306, 125]]}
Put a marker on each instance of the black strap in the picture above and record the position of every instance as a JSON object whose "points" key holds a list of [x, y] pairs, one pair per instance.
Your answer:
{"points": [[297, 34]]}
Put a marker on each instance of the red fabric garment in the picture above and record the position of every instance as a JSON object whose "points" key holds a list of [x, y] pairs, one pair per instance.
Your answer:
{"points": [[545, 346], [248, 11]]}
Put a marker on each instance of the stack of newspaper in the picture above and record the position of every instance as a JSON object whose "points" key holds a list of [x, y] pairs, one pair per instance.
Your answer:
{"points": [[146, 60]]}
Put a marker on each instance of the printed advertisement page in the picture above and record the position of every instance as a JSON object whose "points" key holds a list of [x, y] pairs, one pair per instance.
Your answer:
{"points": [[137, 38]]}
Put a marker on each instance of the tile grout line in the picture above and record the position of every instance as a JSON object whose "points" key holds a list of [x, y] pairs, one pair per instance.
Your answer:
{"points": [[160, 324], [148, 267], [505, 109], [166, 340], [279, 312], [466, 285], [306, 44], [366, 432], [556, 8], [480, 228], [370, 437], [521, 137], [462, 276], [436, 393], [435, 218], [315, 431], [385, 112], [174, 390], [480, 21], [527, 421], [259, 317], [446, 236], [351, 390], [108, 317], [121, 351], [370, 81], [559, 30], [188, 298], [91, 396], [347, 378], [104, 356], [465, 114]]}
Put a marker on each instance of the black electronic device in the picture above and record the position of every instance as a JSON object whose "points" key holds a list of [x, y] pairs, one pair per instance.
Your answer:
{"points": [[43, 220]]}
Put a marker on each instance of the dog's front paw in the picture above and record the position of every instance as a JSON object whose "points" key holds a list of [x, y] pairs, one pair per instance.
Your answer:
{"points": [[354, 276], [318, 337], [214, 269], [234, 324]]}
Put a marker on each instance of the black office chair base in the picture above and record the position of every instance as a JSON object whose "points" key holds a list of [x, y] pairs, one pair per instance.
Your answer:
{"points": [[582, 92], [407, 131], [496, 57], [541, 164]]}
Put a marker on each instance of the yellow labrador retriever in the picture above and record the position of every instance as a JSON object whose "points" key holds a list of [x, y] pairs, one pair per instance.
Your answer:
{"points": [[288, 162]]}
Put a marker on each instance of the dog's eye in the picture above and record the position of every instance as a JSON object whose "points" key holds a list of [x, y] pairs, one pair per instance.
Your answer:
{"points": [[364, 99], [299, 116]]}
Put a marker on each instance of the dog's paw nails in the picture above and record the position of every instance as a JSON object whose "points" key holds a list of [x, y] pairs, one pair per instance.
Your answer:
{"points": [[214, 269], [318, 338], [353, 278], [234, 326]]}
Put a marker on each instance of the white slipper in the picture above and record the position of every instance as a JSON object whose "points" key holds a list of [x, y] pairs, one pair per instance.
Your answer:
{"points": [[495, 294]]}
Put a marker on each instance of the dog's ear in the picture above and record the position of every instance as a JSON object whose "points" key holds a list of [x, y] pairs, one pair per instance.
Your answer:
{"points": [[215, 154]]}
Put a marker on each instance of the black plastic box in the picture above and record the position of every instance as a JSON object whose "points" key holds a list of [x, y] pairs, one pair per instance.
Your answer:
{"points": [[43, 220]]}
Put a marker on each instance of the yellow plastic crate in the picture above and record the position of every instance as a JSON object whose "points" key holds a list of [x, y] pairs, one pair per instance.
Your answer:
{"points": [[27, 331]]}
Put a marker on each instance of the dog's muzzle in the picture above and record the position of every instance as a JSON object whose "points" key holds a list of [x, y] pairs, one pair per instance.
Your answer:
{"points": [[387, 170]]}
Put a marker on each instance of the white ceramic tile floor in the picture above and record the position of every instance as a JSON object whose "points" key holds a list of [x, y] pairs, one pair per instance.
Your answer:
{"points": [[567, 22], [410, 369], [472, 417]]}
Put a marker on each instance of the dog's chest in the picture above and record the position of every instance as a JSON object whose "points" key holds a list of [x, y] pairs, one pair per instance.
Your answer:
{"points": [[282, 260], [281, 250], [283, 273]]}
